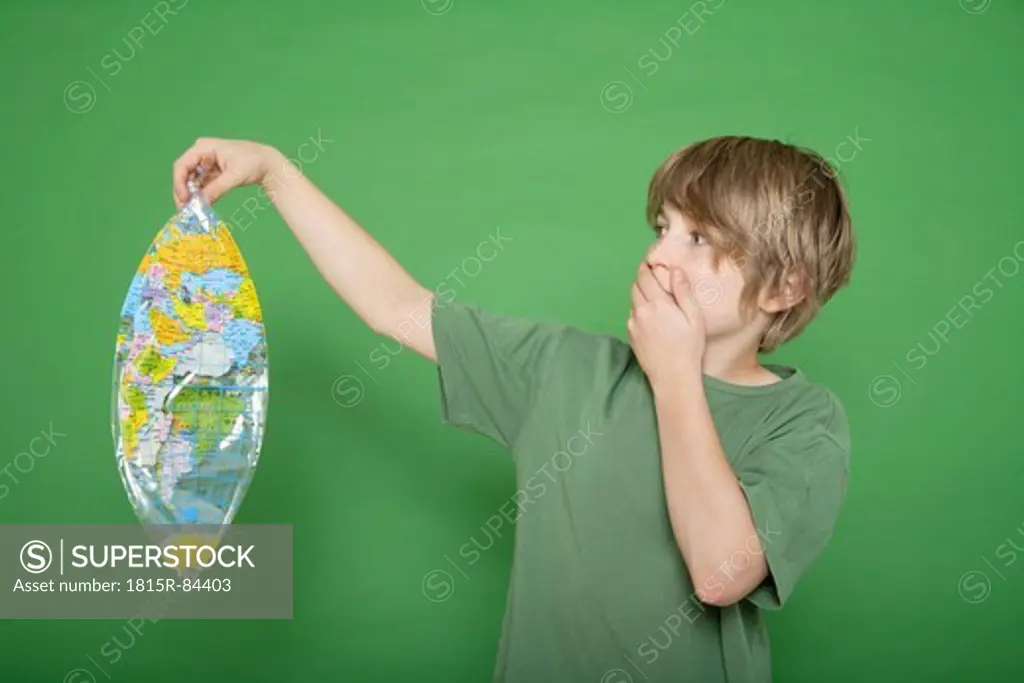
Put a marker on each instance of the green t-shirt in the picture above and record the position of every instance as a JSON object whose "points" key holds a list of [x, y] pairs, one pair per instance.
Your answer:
{"points": [[599, 592]]}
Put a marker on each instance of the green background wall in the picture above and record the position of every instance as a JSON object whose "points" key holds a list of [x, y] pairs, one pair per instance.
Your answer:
{"points": [[544, 120]]}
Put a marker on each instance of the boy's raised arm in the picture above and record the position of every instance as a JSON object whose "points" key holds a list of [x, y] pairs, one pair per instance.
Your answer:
{"points": [[356, 266], [352, 262]]}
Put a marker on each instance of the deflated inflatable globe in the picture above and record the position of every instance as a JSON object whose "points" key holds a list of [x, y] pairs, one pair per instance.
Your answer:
{"points": [[190, 374]]}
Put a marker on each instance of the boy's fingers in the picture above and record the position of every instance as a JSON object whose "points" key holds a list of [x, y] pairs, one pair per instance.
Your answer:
{"points": [[183, 165], [199, 153], [648, 284], [216, 188], [636, 296]]}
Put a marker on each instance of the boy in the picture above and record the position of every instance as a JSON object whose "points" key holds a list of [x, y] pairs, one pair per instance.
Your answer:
{"points": [[693, 485]]}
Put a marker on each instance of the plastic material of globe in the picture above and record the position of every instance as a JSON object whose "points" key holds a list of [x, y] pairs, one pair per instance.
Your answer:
{"points": [[190, 374]]}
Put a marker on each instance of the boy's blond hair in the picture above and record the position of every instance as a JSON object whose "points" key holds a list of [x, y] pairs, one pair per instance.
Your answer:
{"points": [[774, 209]]}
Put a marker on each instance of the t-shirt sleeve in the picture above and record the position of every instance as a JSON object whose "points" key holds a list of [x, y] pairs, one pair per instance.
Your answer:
{"points": [[795, 484], [491, 368]]}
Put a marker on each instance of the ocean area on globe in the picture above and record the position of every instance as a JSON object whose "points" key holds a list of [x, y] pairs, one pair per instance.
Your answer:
{"points": [[190, 378]]}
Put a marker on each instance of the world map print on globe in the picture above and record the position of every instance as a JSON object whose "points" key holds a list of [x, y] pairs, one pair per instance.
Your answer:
{"points": [[190, 375]]}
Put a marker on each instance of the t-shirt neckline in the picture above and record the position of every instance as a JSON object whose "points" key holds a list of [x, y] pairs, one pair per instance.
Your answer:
{"points": [[790, 376]]}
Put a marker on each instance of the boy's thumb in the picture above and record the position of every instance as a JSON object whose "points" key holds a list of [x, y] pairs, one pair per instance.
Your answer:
{"points": [[680, 286], [679, 280], [216, 188]]}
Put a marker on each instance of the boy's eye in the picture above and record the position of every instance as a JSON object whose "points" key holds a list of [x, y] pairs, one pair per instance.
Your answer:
{"points": [[698, 238], [660, 230]]}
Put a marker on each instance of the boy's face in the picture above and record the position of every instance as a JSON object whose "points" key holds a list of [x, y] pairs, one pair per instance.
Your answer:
{"points": [[680, 244]]}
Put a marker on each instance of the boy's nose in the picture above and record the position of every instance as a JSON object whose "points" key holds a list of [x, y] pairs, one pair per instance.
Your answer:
{"points": [[655, 255], [658, 257]]}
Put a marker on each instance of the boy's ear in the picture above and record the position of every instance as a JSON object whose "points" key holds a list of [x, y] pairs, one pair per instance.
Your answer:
{"points": [[793, 291]]}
